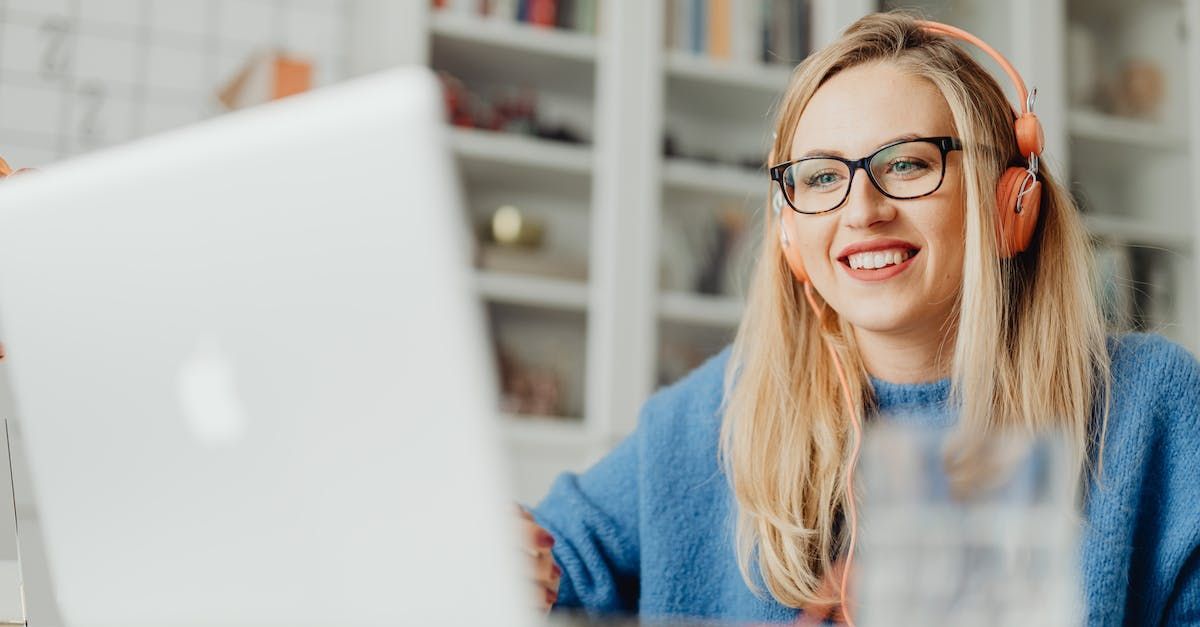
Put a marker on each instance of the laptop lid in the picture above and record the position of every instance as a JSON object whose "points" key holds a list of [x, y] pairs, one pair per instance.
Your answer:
{"points": [[251, 377]]}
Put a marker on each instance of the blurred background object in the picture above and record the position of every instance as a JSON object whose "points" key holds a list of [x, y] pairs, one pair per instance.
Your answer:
{"points": [[935, 551], [266, 77], [619, 148]]}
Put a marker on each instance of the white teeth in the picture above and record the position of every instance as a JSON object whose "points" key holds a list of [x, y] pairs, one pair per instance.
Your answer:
{"points": [[877, 259]]}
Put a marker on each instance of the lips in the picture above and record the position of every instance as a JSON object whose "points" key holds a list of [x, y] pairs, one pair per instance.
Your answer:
{"points": [[877, 259]]}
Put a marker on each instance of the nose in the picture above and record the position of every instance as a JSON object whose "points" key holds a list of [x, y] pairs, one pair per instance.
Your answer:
{"points": [[865, 206]]}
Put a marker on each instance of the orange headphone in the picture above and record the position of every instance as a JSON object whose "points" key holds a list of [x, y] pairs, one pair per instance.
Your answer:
{"points": [[1018, 199], [1019, 192]]}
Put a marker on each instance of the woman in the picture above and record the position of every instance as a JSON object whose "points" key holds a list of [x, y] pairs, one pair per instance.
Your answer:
{"points": [[728, 500]]}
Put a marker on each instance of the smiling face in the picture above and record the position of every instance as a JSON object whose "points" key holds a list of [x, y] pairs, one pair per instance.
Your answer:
{"points": [[851, 253]]}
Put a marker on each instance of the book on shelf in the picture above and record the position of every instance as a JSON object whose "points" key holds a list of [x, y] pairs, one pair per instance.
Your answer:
{"points": [[740, 31], [576, 15]]}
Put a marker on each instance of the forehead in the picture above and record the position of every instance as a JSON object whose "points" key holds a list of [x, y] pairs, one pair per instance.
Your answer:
{"points": [[865, 106]]}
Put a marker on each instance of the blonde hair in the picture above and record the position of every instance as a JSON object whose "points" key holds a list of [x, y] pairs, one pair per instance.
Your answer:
{"points": [[1029, 352]]}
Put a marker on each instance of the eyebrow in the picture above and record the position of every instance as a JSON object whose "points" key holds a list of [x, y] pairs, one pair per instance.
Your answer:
{"points": [[827, 152]]}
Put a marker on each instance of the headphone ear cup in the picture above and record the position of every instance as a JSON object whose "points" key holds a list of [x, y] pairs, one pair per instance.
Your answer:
{"points": [[791, 254], [1015, 225]]}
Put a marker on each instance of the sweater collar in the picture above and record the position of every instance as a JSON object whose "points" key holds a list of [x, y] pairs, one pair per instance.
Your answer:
{"points": [[923, 403]]}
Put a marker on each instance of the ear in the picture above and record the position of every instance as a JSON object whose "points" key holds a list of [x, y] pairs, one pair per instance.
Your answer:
{"points": [[791, 253]]}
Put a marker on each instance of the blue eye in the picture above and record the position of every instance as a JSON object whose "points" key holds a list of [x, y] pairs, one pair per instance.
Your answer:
{"points": [[822, 179], [906, 166]]}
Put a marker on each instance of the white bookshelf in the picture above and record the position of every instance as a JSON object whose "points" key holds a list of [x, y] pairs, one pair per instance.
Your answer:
{"points": [[719, 179], [697, 309], [628, 91], [1137, 232], [1123, 132], [540, 156], [532, 291], [498, 37], [682, 65]]}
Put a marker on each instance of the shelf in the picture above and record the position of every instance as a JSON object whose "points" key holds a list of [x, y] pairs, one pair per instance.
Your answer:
{"points": [[494, 52], [1101, 127], [532, 291], [712, 311], [689, 175], [496, 160], [546, 431], [704, 69], [1135, 231], [496, 147], [505, 34]]}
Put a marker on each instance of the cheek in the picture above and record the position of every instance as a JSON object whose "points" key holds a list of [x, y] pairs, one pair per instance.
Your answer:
{"points": [[814, 235], [947, 241]]}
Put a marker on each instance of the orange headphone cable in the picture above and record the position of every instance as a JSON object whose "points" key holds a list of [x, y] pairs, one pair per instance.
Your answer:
{"points": [[852, 512]]}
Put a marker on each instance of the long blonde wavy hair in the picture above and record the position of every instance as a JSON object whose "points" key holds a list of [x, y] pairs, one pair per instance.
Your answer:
{"points": [[1029, 351]]}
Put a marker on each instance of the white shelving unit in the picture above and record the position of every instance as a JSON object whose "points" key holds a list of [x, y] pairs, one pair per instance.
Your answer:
{"points": [[533, 291], [689, 308], [495, 34], [628, 204], [718, 179], [1123, 131], [684, 65], [543, 156]]}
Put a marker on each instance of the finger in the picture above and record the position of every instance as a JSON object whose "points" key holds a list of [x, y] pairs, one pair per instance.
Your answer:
{"points": [[544, 598], [538, 539], [522, 513], [546, 572]]}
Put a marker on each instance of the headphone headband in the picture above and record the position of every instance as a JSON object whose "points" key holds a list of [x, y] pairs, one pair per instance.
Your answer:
{"points": [[960, 34], [1030, 138]]}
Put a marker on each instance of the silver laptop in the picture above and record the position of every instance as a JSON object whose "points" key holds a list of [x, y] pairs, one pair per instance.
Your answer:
{"points": [[251, 379]]}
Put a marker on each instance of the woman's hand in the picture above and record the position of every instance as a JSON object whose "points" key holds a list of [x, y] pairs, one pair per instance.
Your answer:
{"points": [[6, 170], [537, 543]]}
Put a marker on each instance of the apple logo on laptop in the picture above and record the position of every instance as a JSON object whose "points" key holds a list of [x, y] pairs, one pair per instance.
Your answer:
{"points": [[207, 394]]}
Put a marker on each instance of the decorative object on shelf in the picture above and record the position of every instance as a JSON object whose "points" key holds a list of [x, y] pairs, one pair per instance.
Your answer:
{"points": [[265, 77], [512, 110], [527, 390], [576, 15], [1137, 90], [1082, 74], [513, 227], [513, 241]]}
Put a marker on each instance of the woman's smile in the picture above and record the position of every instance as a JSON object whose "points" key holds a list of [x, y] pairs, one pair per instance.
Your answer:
{"points": [[877, 259]]}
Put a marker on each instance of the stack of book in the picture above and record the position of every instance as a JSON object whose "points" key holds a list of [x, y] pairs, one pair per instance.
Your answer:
{"points": [[743, 31], [576, 15]]}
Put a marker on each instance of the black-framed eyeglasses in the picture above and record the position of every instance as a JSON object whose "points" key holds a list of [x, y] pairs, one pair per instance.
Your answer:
{"points": [[903, 170]]}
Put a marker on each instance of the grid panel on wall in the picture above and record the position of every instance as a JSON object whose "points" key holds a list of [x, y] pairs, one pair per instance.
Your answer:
{"points": [[77, 75]]}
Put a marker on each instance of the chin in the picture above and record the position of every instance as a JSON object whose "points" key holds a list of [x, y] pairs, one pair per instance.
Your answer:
{"points": [[884, 322]]}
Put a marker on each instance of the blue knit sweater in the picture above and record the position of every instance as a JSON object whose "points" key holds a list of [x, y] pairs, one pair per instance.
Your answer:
{"points": [[648, 529]]}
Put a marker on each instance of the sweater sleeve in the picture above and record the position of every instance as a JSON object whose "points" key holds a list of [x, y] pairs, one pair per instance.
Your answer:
{"points": [[1184, 605], [593, 517], [1181, 386]]}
